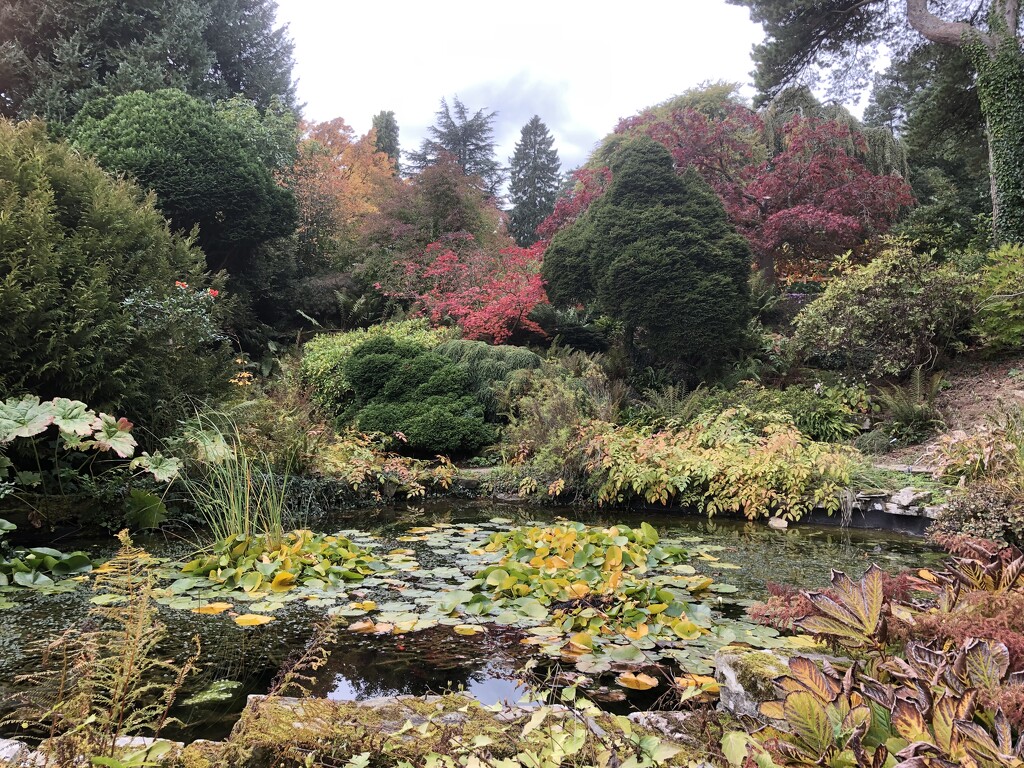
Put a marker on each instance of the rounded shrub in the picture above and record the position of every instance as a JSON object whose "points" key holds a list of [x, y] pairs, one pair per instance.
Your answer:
{"points": [[900, 311], [100, 301], [424, 399], [489, 367], [324, 356]]}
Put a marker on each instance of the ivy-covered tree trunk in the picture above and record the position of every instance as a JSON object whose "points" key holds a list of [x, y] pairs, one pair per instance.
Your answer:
{"points": [[1001, 91]]}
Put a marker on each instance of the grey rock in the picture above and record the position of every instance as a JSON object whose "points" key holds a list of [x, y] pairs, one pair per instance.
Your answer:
{"points": [[778, 523], [746, 680], [910, 497]]}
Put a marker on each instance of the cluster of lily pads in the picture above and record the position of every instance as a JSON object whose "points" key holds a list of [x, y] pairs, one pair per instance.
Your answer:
{"points": [[614, 599]]}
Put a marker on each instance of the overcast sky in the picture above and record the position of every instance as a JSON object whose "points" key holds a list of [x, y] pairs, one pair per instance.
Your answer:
{"points": [[579, 65]]}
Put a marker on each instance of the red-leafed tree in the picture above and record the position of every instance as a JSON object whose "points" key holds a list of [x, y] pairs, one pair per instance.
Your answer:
{"points": [[588, 185], [816, 199], [488, 293], [799, 209]]}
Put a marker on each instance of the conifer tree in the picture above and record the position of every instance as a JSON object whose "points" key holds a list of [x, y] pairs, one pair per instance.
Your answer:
{"points": [[534, 181], [657, 253], [467, 139], [386, 126]]}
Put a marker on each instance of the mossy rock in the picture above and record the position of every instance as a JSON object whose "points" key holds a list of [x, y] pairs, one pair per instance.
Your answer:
{"points": [[746, 679], [285, 731]]}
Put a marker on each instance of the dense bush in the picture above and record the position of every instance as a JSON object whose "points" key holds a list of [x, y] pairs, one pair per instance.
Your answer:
{"points": [[100, 302], [489, 367], [990, 509], [900, 311], [657, 253], [204, 168], [426, 400], [822, 412], [1000, 320], [324, 357]]}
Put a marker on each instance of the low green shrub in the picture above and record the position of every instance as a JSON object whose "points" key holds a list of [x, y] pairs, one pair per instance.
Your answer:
{"points": [[324, 356], [489, 367], [1000, 319], [423, 399], [898, 312]]}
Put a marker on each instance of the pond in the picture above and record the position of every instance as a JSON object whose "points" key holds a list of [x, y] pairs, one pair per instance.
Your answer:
{"points": [[238, 661]]}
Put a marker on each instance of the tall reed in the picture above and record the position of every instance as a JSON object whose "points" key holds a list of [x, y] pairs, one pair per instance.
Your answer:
{"points": [[235, 488]]}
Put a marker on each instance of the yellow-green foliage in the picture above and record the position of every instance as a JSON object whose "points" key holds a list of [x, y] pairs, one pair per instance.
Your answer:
{"points": [[1000, 319], [718, 464], [365, 465], [324, 356]]}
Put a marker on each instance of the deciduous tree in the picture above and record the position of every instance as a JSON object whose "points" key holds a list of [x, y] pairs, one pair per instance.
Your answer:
{"points": [[842, 35]]}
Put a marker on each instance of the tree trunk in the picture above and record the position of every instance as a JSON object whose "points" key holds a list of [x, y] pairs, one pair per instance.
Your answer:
{"points": [[999, 62], [1001, 91]]}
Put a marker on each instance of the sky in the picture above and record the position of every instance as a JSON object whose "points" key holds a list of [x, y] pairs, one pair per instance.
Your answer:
{"points": [[579, 66]]}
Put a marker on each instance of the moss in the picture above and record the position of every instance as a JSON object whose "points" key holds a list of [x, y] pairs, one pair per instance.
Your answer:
{"points": [[756, 672]]}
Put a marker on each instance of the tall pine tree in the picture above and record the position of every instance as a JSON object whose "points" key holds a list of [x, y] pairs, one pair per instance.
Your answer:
{"points": [[534, 181], [468, 139]]}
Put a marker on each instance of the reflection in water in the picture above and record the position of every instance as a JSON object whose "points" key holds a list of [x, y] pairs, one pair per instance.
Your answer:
{"points": [[422, 663]]}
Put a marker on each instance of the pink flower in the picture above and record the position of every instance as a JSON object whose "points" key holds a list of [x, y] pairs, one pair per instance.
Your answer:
{"points": [[180, 284], [214, 293]]}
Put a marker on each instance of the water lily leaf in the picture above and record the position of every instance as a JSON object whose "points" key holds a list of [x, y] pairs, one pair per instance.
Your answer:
{"points": [[213, 609], [252, 620], [469, 629], [251, 581], [33, 579], [219, 690], [626, 653], [451, 600], [282, 582], [636, 682]]}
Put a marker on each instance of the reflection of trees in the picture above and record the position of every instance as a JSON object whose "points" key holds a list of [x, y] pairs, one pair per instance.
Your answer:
{"points": [[418, 663]]}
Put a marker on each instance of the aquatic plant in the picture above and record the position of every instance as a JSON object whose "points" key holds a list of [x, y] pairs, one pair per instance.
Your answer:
{"points": [[105, 681], [234, 488]]}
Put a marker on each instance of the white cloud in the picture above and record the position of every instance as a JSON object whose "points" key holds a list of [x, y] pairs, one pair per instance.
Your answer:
{"points": [[580, 66]]}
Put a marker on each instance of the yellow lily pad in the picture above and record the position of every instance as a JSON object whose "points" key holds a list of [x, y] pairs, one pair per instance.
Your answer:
{"points": [[252, 620], [469, 629], [213, 608], [636, 681]]}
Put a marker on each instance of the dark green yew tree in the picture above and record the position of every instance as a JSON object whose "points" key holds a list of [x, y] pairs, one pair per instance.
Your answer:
{"points": [[534, 181], [657, 252], [201, 165]]}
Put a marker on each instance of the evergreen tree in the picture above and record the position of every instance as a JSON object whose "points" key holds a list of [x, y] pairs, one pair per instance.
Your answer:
{"points": [[657, 252], [386, 126], [200, 164], [468, 139], [56, 55], [534, 181]]}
